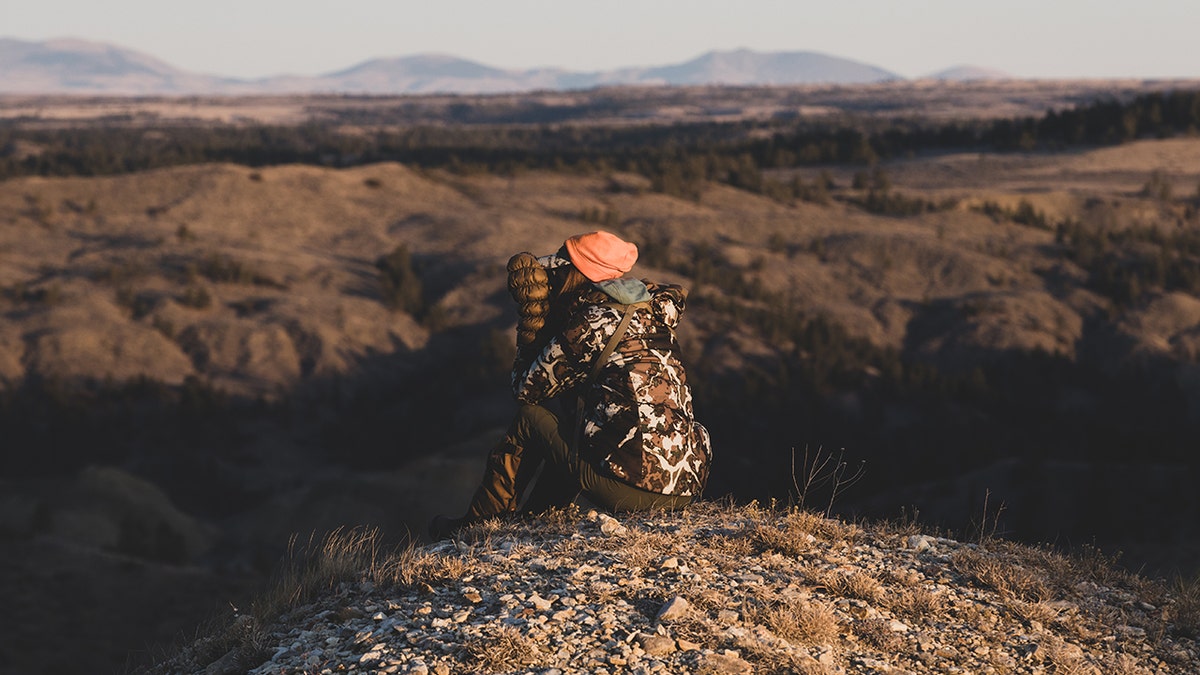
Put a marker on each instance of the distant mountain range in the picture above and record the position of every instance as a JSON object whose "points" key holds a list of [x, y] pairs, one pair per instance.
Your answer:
{"points": [[78, 66]]}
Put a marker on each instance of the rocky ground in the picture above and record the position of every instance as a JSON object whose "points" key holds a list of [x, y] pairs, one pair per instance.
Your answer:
{"points": [[714, 589]]}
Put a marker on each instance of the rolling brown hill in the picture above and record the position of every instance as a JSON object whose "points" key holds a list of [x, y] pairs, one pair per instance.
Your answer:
{"points": [[98, 270]]}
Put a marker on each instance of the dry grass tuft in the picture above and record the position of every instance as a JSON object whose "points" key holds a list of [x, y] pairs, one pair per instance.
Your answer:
{"points": [[507, 651], [695, 627], [794, 535], [853, 584], [1184, 612], [1067, 659], [1123, 664], [1033, 611], [642, 548], [915, 603], [310, 569], [876, 633], [736, 547], [1003, 575], [343, 555], [768, 660], [800, 621], [412, 567]]}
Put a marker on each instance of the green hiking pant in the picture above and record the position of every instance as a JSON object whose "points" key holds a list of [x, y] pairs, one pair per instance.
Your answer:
{"points": [[537, 438]]}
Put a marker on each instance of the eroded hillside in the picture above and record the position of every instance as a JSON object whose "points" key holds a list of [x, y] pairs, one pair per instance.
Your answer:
{"points": [[258, 279]]}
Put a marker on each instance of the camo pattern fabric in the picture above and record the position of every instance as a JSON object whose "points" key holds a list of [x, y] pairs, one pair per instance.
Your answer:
{"points": [[637, 413]]}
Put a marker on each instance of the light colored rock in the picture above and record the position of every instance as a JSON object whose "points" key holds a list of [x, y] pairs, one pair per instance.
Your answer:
{"points": [[919, 543], [675, 608], [539, 603], [611, 526], [656, 645], [727, 663]]}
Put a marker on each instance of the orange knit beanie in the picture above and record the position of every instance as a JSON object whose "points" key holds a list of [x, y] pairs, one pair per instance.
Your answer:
{"points": [[601, 256]]}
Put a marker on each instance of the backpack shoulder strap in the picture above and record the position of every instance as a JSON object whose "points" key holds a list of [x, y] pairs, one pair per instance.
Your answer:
{"points": [[611, 346]]}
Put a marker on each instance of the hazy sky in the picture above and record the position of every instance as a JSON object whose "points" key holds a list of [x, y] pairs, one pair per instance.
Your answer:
{"points": [[251, 38]]}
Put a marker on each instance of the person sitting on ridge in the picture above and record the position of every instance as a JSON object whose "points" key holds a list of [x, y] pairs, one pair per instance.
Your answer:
{"points": [[605, 346]]}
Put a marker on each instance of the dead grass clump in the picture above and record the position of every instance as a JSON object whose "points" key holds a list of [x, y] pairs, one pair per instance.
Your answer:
{"points": [[237, 647], [1033, 611], [1063, 572], [796, 533], [878, 634], [695, 627], [916, 603], [1184, 612], [1005, 576], [769, 660], [737, 547], [970, 615], [310, 569], [642, 548], [413, 567], [507, 651], [320, 564], [1122, 664], [772, 538], [1064, 656], [1056, 570], [853, 584], [800, 621], [563, 520]]}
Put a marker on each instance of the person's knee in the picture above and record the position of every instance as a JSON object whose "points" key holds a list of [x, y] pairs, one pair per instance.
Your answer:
{"points": [[536, 420], [534, 413]]}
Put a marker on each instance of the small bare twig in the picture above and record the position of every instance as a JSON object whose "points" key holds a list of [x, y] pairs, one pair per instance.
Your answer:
{"points": [[824, 469], [989, 523]]}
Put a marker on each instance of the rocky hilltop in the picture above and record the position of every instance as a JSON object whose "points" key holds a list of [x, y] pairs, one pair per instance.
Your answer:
{"points": [[714, 589]]}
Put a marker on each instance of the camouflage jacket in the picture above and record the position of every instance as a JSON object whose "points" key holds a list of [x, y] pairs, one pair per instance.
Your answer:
{"points": [[637, 412]]}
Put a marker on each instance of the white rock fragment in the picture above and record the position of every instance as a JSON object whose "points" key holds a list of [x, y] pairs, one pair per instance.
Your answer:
{"points": [[919, 543], [611, 526], [539, 603], [726, 663], [656, 645], [675, 608], [687, 645]]}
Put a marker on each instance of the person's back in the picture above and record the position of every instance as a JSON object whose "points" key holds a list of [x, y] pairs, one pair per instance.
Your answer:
{"points": [[608, 344], [637, 420]]}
